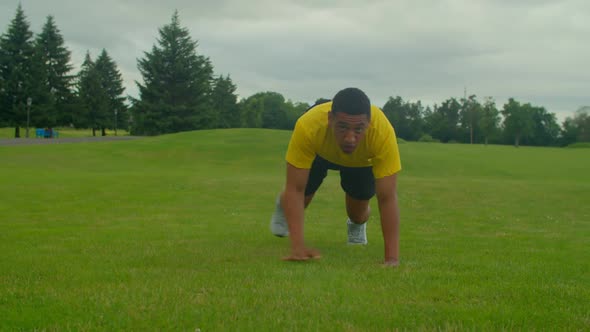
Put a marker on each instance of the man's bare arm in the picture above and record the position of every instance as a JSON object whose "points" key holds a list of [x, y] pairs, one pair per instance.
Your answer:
{"points": [[386, 189], [293, 203]]}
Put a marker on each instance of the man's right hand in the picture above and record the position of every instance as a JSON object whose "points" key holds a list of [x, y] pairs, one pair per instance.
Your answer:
{"points": [[302, 254]]}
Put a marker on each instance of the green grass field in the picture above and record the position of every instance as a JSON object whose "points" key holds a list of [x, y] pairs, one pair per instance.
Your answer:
{"points": [[171, 233]]}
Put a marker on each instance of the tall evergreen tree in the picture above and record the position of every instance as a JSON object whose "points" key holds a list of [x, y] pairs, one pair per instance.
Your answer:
{"points": [[176, 92], [54, 59], [3, 112], [112, 84], [225, 103], [93, 99], [16, 61], [42, 112]]}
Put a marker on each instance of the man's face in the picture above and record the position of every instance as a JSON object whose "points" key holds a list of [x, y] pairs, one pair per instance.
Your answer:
{"points": [[349, 130]]}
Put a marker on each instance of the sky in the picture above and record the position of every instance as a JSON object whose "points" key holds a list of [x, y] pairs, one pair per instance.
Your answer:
{"points": [[535, 51]]}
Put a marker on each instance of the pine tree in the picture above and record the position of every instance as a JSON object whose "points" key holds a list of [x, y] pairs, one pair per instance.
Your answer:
{"points": [[54, 58], [176, 92], [16, 53], [3, 112], [42, 112], [112, 85], [93, 99], [225, 103]]}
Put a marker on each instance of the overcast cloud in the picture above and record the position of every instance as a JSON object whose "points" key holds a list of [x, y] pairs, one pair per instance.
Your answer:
{"points": [[535, 51]]}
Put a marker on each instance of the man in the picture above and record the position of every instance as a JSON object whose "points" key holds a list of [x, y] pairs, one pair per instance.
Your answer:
{"points": [[354, 137]]}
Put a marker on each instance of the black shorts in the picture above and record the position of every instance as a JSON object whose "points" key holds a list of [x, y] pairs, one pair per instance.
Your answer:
{"points": [[357, 182]]}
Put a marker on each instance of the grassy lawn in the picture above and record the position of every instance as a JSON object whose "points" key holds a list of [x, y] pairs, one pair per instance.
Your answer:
{"points": [[171, 233], [64, 132]]}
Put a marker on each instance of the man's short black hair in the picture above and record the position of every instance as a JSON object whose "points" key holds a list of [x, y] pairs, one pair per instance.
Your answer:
{"points": [[351, 101]]}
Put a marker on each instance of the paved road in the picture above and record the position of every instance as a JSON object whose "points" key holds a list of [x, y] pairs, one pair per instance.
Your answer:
{"points": [[31, 141]]}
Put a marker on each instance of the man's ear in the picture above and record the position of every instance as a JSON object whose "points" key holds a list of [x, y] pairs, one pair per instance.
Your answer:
{"points": [[330, 115]]}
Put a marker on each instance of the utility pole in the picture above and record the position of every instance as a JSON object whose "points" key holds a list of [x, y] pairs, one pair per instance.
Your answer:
{"points": [[29, 101], [470, 111]]}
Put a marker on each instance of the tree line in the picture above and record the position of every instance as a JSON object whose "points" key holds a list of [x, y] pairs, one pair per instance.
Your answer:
{"points": [[180, 91], [37, 88], [468, 120]]}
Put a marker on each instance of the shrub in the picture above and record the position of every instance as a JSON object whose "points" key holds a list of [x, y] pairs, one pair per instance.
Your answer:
{"points": [[428, 139], [580, 145]]}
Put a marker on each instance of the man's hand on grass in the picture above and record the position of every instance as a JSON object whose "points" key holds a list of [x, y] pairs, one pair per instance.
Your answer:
{"points": [[302, 254], [390, 263]]}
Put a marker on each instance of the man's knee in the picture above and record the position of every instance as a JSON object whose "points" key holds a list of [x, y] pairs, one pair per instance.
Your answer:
{"points": [[360, 217], [358, 210]]}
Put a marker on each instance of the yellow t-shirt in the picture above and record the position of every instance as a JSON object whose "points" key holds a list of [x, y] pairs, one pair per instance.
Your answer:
{"points": [[312, 136]]}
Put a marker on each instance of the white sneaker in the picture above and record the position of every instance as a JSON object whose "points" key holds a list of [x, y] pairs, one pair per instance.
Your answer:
{"points": [[357, 234], [278, 222]]}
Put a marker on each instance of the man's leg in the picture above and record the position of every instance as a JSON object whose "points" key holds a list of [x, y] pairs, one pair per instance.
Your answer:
{"points": [[278, 222], [358, 211], [359, 186], [317, 173], [358, 214]]}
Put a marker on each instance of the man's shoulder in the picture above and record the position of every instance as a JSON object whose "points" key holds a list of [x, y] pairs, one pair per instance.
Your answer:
{"points": [[316, 115], [323, 107], [378, 119], [377, 113]]}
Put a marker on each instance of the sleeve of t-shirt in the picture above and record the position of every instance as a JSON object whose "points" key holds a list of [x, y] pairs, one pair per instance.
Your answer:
{"points": [[386, 160], [300, 152]]}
